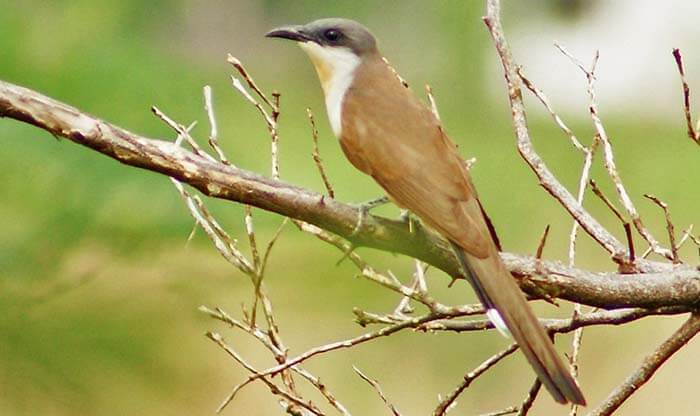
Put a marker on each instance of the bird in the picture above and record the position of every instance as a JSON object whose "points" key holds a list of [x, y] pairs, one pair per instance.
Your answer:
{"points": [[389, 134]]}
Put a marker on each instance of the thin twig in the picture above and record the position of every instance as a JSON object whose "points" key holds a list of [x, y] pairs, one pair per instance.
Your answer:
{"points": [[271, 244], [525, 145], [379, 391], [347, 343], [274, 135], [450, 399], [507, 411], [614, 317], [250, 232], [575, 352], [609, 158], [182, 131], [223, 243], [589, 153], [692, 133], [419, 284], [271, 119], [317, 156], [387, 280], [218, 339], [214, 130], [257, 276], [548, 106], [238, 85], [599, 193], [265, 340], [630, 241], [669, 225], [530, 398], [236, 63], [543, 241]]}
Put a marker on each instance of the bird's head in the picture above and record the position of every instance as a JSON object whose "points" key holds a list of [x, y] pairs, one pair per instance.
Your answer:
{"points": [[335, 46]]}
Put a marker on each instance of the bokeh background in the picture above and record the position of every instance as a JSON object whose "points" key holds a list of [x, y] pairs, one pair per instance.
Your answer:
{"points": [[99, 288]]}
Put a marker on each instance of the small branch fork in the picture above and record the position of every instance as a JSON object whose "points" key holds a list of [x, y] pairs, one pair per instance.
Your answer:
{"points": [[640, 289]]}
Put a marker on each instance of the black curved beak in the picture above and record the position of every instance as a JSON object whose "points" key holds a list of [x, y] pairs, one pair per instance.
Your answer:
{"points": [[295, 33]]}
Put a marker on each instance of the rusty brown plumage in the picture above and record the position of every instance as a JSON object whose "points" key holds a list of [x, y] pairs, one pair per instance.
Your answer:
{"points": [[387, 133], [390, 135]]}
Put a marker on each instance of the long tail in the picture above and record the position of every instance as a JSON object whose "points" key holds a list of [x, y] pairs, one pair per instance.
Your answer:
{"points": [[496, 289]]}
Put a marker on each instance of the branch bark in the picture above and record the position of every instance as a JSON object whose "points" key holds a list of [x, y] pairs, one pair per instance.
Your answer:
{"points": [[663, 284]]}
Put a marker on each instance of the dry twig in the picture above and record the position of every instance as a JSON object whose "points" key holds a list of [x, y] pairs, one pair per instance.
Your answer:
{"points": [[218, 339], [214, 130], [530, 398], [317, 156], [450, 399], [507, 411], [526, 148], [379, 391], [692, 131], [669, 226], [609, 156]]}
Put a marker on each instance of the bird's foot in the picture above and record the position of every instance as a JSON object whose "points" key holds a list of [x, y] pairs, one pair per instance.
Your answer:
{"points": [[364, 209], [409, 219]]}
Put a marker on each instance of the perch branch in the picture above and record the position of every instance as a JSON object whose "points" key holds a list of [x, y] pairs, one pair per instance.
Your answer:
{"points": [[660, 285]]}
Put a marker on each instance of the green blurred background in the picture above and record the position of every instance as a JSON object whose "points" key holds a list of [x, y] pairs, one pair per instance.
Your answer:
{"points": [[99, 288]]}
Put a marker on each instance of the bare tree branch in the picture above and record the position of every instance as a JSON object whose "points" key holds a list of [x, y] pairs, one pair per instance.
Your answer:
{"points": [[609, 158], [525, 146], [663, 285]]}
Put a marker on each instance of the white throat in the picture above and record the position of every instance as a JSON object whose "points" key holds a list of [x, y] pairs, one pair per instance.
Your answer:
{"points": [[336, 70]]}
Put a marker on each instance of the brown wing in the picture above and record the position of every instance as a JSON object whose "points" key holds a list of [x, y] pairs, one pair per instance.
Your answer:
{"points": [[388, 134], [400, 143]]}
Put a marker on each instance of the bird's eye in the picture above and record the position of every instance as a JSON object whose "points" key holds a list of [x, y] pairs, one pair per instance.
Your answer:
{"points": [[332, 35]]}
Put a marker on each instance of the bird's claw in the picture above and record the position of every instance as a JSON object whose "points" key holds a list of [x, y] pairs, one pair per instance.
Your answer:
{"points": [[364, 209], [409, 219]]}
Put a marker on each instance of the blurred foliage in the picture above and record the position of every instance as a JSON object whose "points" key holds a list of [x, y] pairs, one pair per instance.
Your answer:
{"points": [[98, 288]]}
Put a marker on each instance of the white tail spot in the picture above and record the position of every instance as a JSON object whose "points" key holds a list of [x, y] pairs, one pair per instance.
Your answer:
{"points": [[497, 322]]}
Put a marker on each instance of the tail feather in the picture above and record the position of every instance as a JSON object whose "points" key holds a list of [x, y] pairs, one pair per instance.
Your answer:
{"points": [[496, 289]]}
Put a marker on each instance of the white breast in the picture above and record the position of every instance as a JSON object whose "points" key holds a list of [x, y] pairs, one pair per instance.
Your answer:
{"points": [[336, 69]]}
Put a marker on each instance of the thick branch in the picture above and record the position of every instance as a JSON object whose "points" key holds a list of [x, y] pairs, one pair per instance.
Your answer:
{"points": [[665, 285]]}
